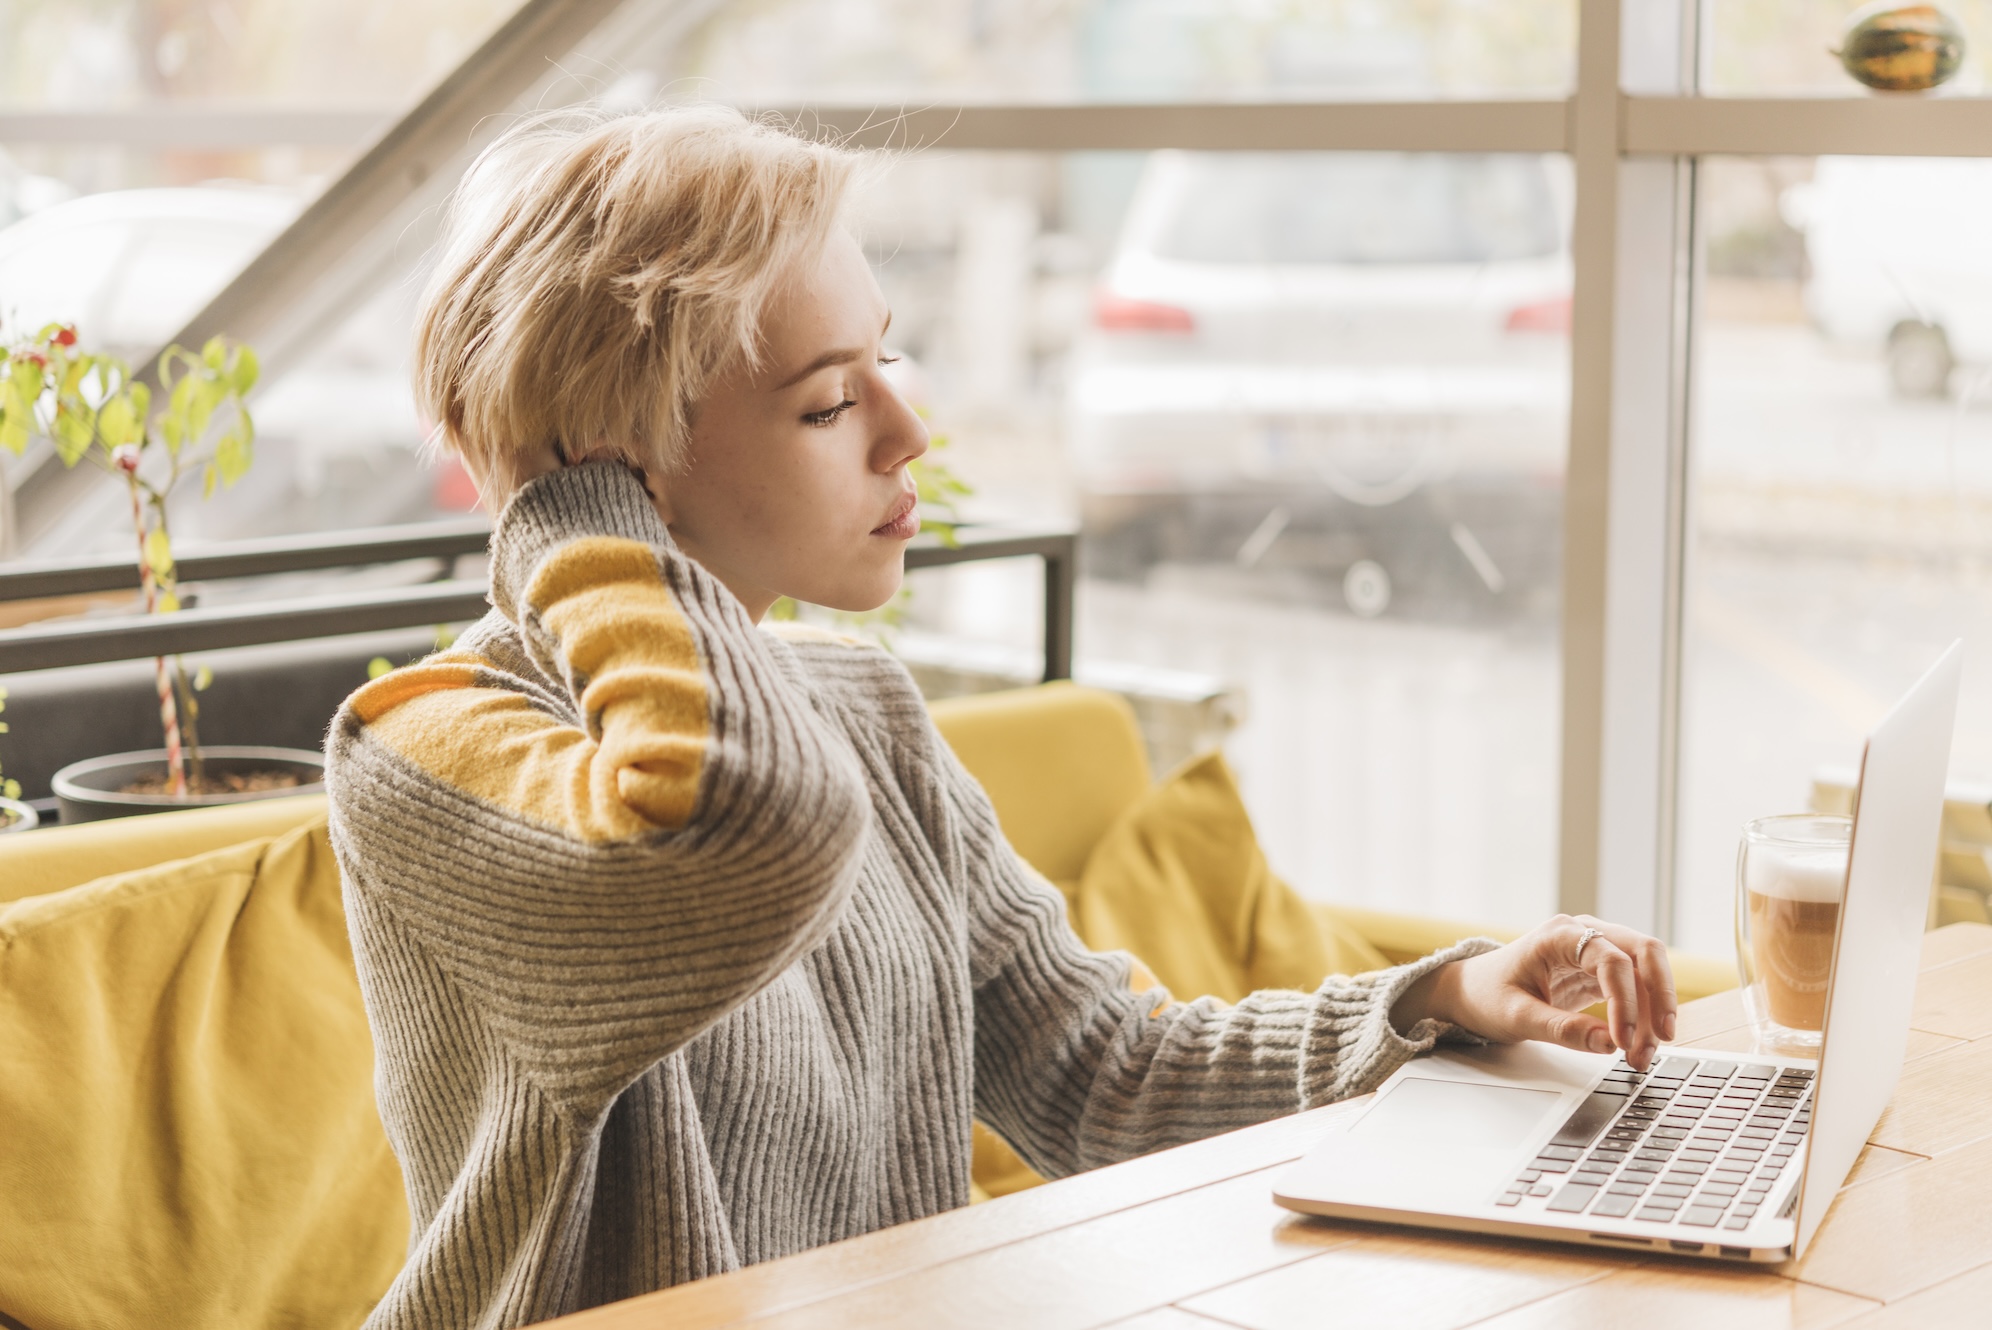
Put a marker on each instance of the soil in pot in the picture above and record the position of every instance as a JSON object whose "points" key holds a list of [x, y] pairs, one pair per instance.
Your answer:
{"points": [[209, 782]]}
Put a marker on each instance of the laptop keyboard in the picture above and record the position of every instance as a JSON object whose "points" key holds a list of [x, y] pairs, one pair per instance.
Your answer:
{"points": [[1694, 1143]]}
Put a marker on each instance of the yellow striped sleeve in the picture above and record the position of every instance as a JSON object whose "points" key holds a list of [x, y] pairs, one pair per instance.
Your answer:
{"points": [[636, 765]]}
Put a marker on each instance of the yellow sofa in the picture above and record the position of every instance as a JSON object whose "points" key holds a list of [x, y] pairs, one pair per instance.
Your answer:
{"points": [[159, 908], [1063, 763]]}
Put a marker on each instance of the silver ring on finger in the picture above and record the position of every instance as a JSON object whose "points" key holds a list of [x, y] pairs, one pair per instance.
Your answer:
{"points": [[1589, 933]]}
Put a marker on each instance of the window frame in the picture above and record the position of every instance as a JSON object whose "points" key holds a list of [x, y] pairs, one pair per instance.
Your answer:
{"points": [[1633, 124]]}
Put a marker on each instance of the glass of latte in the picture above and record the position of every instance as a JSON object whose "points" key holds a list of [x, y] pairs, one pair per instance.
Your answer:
{"points": [[1791, 872]]}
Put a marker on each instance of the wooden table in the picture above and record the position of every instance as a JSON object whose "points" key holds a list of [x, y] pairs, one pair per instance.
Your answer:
{"points": [[1189, 1239]]}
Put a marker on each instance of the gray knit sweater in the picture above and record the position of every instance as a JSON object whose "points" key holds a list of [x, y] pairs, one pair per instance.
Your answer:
{"points": [[687, 945]]}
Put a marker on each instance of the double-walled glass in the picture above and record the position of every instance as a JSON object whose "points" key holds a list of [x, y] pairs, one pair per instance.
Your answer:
{"points": [[1791, 875]]}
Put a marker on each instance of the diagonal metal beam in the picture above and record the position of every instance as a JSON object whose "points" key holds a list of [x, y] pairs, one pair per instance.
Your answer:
{"points": [[429, 143], [336, 253]]}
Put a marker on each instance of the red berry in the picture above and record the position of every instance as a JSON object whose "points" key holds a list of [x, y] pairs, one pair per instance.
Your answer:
{"points": [[65, 337]]}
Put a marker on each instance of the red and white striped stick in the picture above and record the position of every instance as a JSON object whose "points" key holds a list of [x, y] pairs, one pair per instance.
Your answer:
{"points": [[169, 710]]}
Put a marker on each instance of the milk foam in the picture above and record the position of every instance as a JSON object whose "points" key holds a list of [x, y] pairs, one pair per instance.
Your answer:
{"points": [[1785, 873]]}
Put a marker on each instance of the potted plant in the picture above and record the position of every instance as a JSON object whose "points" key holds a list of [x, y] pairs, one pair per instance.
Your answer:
{"points": [[91, 409], [14, 815]]}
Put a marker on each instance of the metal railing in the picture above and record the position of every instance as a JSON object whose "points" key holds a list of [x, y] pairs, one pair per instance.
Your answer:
{"points": [[67, 642]]}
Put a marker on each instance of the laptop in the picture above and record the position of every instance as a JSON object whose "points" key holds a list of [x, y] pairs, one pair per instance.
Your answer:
{"points": [[1707, 1153]]}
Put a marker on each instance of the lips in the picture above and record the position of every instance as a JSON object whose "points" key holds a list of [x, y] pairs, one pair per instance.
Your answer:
{"points": [[904, 521]]}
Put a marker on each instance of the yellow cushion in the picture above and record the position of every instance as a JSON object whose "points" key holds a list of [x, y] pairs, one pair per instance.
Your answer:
{"points": [[1180, 881], [57, 858], [187, 1111], [1059, 762]]}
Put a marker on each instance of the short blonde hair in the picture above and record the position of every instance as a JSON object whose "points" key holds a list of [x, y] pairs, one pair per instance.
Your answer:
{"points": [[597, 272]]}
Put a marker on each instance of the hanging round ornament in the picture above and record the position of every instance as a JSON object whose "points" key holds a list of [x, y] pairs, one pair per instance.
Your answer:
{"points": [[1895, 47]]}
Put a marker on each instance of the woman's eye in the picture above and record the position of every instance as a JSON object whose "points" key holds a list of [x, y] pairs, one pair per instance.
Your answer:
{"points": [[888, 360], [830, 415]]}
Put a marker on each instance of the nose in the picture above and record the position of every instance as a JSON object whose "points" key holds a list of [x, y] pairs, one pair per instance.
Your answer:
{"points": [[900, 436]]}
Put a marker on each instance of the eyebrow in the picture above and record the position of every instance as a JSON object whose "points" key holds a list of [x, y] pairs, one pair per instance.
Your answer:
{"points": [[842, 356]]}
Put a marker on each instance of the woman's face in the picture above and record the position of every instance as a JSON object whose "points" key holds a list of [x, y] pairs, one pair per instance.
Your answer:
{"points": [[796, 483]]}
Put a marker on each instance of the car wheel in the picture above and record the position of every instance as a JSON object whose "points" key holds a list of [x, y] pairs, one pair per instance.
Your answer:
{"points": [[1919, 360], [1366, 587]]}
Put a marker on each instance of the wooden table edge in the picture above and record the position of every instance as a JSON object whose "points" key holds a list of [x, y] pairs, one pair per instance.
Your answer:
{"points": [[818, 1268]]}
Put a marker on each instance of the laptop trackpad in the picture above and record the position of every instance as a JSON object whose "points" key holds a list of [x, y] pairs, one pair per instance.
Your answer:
{"points": [[1429, 1114], [1427, 1143]]}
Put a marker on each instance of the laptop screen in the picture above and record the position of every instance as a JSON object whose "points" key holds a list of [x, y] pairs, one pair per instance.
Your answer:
{"points": [[1898, 812]]}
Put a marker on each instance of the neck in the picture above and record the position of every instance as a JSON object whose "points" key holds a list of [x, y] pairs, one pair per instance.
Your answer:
{"points": [[754, 599]]}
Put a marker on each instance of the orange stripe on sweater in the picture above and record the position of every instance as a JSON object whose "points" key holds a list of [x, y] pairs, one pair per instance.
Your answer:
{"points": [[636, 766]]}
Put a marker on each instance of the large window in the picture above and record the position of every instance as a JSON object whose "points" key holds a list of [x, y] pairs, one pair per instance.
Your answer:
{"points": [[1308, 409], [1842, 483], [1276, 303]]}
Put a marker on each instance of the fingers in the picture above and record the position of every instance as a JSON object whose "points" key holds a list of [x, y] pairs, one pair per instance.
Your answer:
{"points": [[1658, 1005], [1656, 977], [1618, 979], [1532, 1018]]}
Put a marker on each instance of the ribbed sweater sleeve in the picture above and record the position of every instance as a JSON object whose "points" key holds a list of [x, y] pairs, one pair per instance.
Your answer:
{"points": [[1075, 1069], [606, 873]]}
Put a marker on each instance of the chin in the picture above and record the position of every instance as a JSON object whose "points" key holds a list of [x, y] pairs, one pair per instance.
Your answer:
{"points": [[862, 603], [860, 596]]}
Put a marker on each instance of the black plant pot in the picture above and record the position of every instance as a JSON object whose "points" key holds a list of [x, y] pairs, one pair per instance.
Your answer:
{"points": [[89, 790]]}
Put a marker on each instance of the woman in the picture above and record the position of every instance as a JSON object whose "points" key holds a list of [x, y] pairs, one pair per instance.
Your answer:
{"points": [[687, 944]]}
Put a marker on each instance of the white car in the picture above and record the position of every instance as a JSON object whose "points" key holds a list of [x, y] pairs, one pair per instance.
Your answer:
{"points": [[1336, 355], [130, 267], [1898, 260], [338, 433]]}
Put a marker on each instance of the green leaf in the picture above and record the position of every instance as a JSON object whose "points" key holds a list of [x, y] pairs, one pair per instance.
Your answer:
{"points": [[24, 378], [209, 393], [246, 370], [159, 553], [177, 427], [215, 354], [202, 678], [232, 455], [73, 432], [378, 666], [168, 604], [14, 433], [121, 421]]}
